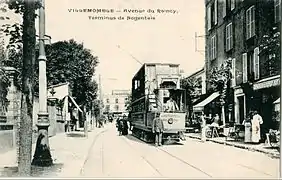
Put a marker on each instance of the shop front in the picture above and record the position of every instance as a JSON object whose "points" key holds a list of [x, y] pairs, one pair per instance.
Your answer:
{"points": [[208, 106], [265, 100]]}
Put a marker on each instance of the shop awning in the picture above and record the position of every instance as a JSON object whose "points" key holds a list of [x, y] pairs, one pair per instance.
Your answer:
{"points": [[76, 105], [200, 106], [277, 101]]}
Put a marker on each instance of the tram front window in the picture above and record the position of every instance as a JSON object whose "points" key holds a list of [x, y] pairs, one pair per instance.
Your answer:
{"points": [[174, 102]]}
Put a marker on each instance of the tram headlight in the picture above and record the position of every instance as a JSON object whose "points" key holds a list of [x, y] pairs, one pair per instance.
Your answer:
{"points": [[170, 121]]}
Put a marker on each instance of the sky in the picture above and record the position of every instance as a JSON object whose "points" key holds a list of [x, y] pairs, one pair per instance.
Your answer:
{"points": [[169, 38]]}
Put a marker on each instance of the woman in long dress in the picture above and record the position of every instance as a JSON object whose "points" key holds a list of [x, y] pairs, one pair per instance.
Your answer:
{"points": [[256, 122], [248, 125], [203, 127]]}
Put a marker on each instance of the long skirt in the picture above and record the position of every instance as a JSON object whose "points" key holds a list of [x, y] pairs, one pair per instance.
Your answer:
{"points": [[255, 134]]}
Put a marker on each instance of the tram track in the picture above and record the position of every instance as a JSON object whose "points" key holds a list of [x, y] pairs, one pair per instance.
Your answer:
{"points": [[144, 158], [90, 150], [185, 162], [170, 155]]}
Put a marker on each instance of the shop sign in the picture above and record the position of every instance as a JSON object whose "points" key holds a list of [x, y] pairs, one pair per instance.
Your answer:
{"points": [[267, 84]]}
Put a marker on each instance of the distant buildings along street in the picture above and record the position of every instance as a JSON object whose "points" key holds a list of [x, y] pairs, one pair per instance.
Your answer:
{"points": [[114, 103]]}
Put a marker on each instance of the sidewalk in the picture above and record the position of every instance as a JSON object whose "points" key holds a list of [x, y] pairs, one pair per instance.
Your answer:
{"points": [[69, 152], [251, 147]]}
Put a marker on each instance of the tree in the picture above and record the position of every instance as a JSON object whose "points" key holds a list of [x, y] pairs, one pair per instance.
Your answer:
{"points": [[220, 79], [28, 37], [189, 84], [4, 85], [128, 103], [270, 49], [70, 62]]}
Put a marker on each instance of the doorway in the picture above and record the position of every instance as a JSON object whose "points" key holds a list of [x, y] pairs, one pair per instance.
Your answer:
{"points": [[241, 108]]}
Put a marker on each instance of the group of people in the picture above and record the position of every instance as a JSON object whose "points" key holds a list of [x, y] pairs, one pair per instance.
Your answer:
{"points": [[254, 121], [122, 125]]}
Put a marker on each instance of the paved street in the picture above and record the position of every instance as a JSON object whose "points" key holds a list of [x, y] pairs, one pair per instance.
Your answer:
{"points": [[125, 156]]}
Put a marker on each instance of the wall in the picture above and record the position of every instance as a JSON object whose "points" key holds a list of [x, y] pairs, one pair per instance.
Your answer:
{"points": [[9, 137]]}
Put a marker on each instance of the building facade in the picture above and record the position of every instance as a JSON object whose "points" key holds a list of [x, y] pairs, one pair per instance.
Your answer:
{"points": [[200, 78], [115, 103], [235, 29]]}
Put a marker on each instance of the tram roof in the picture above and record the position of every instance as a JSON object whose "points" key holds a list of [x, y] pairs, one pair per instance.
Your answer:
{"points": [[146, 64]]}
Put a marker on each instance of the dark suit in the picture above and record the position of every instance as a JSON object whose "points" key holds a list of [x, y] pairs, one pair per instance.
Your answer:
{"points": [[158, 129]]}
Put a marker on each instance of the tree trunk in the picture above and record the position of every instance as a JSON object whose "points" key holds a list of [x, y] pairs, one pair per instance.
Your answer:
{"points": [[25, 135]]}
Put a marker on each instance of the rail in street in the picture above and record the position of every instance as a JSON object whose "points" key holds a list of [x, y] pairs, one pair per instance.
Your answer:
{"points": [[128, 157]]}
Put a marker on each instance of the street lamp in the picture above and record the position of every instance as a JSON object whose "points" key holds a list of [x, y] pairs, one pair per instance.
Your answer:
{"points": [[42, 155]]}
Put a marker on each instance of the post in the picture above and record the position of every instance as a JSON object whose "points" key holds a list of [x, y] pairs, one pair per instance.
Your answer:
{"points": [[85, 122], [42, 155], [280, 104]]}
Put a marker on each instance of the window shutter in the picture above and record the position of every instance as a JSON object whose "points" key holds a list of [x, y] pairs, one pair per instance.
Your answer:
{"points": [[245, 70], [209, 18], [232, 4], [215, 12], [215, 47], [226, 38], [233, 66], [224, 8], [231, 35], [256, 63], [247, 24], [253, 24]]}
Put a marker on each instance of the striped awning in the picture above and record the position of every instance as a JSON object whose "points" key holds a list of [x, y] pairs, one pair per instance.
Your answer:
{"points": [[277, 101], [76, 105], [200, 106]]}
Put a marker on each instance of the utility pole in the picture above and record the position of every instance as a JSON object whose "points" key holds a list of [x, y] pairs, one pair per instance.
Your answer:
{"points": [[100, 96], [42, 155], [85, 121], [280, 103], [25, 131]]}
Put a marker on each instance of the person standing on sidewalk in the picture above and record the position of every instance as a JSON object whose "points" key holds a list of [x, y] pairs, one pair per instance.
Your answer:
{"points": [[203, 132], [158, 128], [256, 122]]}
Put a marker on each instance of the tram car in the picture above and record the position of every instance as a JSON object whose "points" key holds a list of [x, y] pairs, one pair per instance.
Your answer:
{"points": [[152, 86]]}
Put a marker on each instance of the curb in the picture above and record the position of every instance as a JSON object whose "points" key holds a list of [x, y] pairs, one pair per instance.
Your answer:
{"points": [[273, 155]]}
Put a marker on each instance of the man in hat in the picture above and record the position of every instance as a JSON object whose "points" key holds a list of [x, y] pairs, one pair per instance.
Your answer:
{"points": [[158, 129]]}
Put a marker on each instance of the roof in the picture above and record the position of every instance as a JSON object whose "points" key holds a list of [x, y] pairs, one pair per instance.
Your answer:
{"points": [[145, 64], [57, 85], [197, 72]]}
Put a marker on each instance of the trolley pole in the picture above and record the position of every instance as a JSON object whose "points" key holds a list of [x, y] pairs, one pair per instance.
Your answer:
{"points": [[280, 175]]}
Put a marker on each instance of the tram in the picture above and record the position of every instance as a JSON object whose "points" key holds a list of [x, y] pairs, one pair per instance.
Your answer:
{"points": [[152, 86]]}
